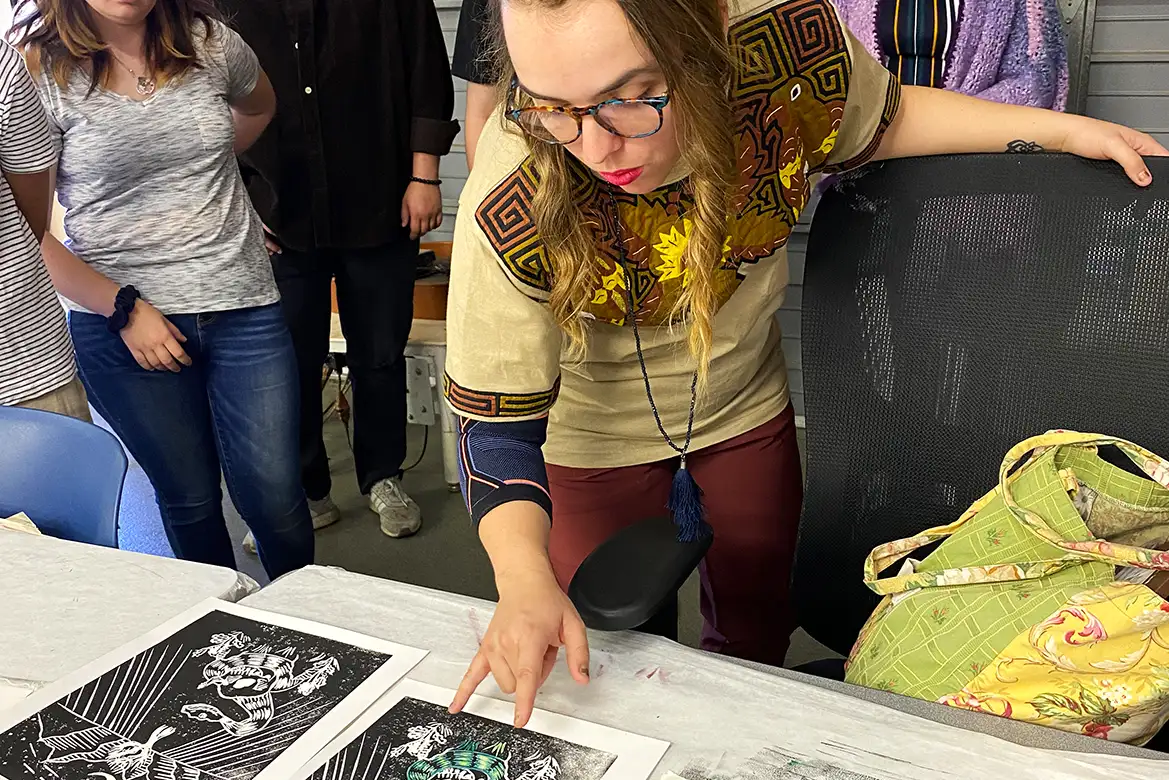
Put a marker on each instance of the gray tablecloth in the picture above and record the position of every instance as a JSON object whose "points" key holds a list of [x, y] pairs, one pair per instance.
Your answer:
{"points": [[716, 713], [66, 604]]}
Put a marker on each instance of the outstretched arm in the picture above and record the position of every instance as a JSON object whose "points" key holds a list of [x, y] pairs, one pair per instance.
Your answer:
{"points": [[502, 471], [934, 121]]}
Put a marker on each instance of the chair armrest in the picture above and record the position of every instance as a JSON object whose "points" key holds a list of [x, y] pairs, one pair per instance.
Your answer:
{"points": [[633, 574]]}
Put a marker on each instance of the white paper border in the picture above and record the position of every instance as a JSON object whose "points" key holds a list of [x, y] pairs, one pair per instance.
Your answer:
{"points": [[637, 756], [308, 744]]}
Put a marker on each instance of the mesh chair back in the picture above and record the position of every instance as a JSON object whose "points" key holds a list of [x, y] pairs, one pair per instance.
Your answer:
{"points": [[952, 307]]}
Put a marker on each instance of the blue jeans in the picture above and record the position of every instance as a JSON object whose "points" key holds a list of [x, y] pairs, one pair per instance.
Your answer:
{"points": [[235, 409]]}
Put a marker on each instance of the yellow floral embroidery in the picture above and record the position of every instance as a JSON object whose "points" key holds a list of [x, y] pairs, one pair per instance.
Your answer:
{"points": [[609, 285], [788, 172], [829, 143], [671, 246]]}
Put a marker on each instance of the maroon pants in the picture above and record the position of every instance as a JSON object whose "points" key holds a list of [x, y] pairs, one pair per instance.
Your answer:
{"points": [[753, 491]]}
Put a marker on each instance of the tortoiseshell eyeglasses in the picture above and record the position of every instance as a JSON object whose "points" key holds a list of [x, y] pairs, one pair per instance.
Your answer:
{"points": [[635, 118]]}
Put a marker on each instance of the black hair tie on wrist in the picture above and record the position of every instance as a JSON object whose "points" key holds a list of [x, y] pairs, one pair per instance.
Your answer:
{"points": [[123, 304], [431, 182]]}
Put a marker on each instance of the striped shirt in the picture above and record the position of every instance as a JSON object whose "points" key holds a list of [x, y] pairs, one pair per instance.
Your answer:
{"points": [[917, 36], [36, 355]]}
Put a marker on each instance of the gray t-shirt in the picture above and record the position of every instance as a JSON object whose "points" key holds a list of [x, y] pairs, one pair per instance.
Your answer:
{"points": [[152, 192]]}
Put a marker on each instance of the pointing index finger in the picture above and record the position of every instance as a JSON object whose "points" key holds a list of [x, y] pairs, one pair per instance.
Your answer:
{"points": [[476, 674]]}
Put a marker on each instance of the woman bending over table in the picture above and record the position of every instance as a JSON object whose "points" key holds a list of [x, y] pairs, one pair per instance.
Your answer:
{"points": [[619, 259], [175, 316]]}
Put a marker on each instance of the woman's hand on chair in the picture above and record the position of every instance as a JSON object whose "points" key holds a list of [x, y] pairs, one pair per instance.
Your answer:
{"points": [[533, 620], [1099, 140], [153, 340]]}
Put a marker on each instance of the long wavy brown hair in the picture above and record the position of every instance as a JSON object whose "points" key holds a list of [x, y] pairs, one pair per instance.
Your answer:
{"points": [[688, 40], [60, 35]]}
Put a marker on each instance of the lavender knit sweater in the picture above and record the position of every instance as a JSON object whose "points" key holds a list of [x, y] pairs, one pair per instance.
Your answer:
{"points": [[1008, 51]]}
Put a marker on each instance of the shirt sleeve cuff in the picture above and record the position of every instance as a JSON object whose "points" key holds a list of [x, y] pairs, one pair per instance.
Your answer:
{"points": [[432, 136], [477, 71], [38, 164], [888, 114]]}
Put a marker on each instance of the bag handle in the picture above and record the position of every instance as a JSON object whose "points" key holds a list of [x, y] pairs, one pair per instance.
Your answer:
{"points": [[881, 558], [888, 554], [1153, 466]]}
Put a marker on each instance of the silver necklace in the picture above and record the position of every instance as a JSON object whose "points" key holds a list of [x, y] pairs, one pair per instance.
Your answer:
{"points": [[145, 86]]}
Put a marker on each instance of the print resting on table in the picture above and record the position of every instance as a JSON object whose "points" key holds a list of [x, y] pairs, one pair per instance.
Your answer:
{"points": [[221, 698], [410, 735], [418, 740], [251, 676]]}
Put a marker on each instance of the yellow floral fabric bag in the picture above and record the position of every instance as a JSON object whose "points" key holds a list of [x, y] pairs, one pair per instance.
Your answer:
{"points": [[1034, 606]]}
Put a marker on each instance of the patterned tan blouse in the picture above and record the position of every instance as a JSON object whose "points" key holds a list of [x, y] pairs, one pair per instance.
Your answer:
{"points": [[808, 100]]}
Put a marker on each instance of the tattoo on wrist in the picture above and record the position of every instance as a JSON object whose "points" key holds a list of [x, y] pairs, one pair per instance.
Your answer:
{"points": [[1019, 146]]}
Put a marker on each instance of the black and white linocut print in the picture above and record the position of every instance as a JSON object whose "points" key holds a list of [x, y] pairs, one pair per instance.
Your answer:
{"points": [[418, 740], [219, 699]]}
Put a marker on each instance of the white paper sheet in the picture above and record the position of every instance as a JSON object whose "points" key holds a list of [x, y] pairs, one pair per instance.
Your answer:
{"points": [[219, 692], [402, 736]]}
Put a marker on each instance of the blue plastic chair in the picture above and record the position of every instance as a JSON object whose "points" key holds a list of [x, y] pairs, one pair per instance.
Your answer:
{"points": [[65, 474]]}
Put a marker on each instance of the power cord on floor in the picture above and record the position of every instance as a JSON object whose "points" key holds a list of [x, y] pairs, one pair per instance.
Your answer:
{"points": [[343, 410], [425, 441], [340, 406]]}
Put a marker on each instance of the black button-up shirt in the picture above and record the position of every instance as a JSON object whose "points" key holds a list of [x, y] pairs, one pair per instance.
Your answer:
{"points": [[361, 85], [471, 59]]}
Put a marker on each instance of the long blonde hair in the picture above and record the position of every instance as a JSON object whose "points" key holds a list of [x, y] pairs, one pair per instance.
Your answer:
{"points": [[688, 40]]}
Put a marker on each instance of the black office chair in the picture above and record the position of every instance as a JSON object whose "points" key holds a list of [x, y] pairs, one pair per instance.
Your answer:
{"points": [[952, 307]]}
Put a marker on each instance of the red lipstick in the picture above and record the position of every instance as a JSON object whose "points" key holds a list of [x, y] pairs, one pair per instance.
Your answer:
{"points": [[621, 178]]}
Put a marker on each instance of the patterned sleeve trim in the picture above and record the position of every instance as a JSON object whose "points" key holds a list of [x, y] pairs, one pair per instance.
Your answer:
{"points": [[502, 462], [505, 216], [892, 103], [484, 405]]}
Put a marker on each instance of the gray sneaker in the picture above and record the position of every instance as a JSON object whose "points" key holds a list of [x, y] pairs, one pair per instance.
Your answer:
{"points": [[324, 514], [399, 514]]}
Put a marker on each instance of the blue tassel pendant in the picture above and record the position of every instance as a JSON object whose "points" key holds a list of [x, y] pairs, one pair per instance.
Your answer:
{"points": [[686, 506]]}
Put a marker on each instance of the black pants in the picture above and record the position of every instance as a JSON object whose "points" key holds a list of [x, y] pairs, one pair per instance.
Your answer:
{"points": [[375, 298]]}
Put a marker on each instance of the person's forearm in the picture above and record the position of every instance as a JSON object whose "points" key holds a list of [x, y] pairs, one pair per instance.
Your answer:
{"points": [[480, 104], [936, 121], [425, 166], [76, 280], [515, 536], [249, 128], [33, 193]]}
